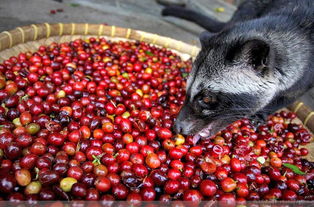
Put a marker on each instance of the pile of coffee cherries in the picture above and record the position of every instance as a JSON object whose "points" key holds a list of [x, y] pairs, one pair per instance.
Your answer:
{"points": [[92, 120]]}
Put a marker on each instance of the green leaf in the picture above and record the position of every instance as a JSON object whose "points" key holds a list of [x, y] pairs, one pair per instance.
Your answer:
{"points": [[37, 173], [184, 75], [149, 53], [96, 160], [24, 98], [74, 5], [294, 168]]}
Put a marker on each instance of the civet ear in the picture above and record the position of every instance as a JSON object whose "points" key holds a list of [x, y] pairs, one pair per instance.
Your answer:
{"points": [[254, 52]]}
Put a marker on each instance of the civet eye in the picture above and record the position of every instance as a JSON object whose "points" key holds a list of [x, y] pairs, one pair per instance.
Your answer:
{"points": [[207, 100]]}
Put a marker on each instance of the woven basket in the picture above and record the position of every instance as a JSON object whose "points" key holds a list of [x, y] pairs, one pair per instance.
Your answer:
{"points": [[29, 38]]}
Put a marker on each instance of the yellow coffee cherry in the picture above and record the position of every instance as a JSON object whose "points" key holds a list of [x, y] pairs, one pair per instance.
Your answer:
{"points": [[66, 183]]}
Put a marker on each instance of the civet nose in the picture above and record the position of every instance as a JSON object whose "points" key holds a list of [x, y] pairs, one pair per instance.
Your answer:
{"points": [[178, 127]]}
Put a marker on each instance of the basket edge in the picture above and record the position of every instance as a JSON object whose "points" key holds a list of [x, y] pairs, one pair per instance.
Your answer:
{"points": [[34, 32]]}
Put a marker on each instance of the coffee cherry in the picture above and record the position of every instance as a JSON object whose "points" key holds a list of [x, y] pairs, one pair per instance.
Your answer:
{"points": [[148, 194], [79, 190], [192, 195], [289, 195], [242, 190], [75, 172], [46, 195], [32, 128], [235, 165], [12, 151], [227, 199], [108, 127], [33, 188], [56, 139], [7, 183], [152, 161], [102, 184], [125, 125], [172, 187], [23, 177], [208, 167], [164, 133], [119, 191], [48, 177], [275, 162], [208, 188], [228, 185], [67, 183]]}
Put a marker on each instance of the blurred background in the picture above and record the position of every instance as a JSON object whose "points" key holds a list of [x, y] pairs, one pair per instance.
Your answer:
{"points": [[136, 14]]}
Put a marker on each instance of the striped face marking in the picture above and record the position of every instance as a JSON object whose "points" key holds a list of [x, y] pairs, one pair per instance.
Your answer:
{"points": [[232, 79]]}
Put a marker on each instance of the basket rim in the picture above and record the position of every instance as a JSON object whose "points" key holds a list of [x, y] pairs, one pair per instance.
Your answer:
{"points": [[37, 32]]}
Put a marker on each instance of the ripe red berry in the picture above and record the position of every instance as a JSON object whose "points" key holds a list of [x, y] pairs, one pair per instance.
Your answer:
{"points": [[102, 184], [192, 195], [119, 191], [235, 165], [75, 136], [208, 188], [152, 161], [164, 133], [125, 125], [172, 186], [228, 185], [242, 190], [56, 139], [108, 127]]}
